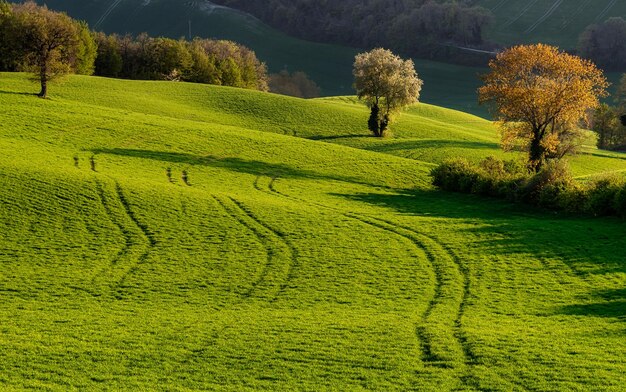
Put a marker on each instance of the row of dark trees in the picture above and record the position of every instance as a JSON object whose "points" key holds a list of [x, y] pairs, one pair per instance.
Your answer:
{"points": [[50, 44], [200, 61], [416, 28], [605, 44]]}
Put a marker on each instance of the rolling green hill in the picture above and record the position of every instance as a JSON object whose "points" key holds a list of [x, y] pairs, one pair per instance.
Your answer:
{"points": [[285, 250]]}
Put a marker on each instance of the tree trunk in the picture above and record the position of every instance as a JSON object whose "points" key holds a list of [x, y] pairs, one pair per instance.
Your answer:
{"points": [[536, 154], [372, 123], [384, 124], [43, 76]]}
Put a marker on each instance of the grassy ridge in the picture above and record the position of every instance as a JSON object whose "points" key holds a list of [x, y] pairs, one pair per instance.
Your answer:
{"points": [[287, 262]]}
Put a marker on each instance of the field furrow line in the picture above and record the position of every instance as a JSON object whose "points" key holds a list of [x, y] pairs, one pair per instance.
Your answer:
{"points": [[277, 271], [499, 5], [148, 239], [465, 273], [107, 13], [577, 12], [522, 13], [437, 350], [545, 16], [605, 11], [105, 275]]}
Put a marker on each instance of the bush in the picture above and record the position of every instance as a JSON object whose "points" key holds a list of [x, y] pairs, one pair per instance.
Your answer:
{"points": [[602, 195], [619, 204], [553, 187]]}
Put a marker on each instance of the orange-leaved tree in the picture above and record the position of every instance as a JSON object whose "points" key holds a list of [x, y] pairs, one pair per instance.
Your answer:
{"points": [[539, 95]]}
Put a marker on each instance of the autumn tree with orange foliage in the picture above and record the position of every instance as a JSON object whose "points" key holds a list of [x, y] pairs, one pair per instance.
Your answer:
{"points": [[539, 95]]}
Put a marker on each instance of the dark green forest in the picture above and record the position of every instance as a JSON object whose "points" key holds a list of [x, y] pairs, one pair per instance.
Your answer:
{"points": [[419, 28]]}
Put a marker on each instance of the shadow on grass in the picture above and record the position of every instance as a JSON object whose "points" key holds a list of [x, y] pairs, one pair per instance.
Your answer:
{"points": [[397, 145], [613, 305], [230, 163], [338, 137], [583, 245], [18, 93]]}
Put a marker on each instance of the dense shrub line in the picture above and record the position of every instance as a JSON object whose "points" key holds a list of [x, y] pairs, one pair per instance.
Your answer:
{"points": [[48, 43], [552, 187], [206, 61]]}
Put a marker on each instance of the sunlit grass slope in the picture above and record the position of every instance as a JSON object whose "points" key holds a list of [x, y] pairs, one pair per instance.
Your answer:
{"points": [[282, 262]]}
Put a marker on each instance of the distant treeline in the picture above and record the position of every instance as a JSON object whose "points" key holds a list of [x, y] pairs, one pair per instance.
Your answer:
{"points": [[207, 61], [605, 44], [420, 28], [35, 39]]}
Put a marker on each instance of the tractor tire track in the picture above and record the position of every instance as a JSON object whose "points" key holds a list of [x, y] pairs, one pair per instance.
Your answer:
{"points": [[103, 276], [605, 11], [109, 278], [274, 278], [522, 13], [577, 12], [106, 14], [433, 354], [545, 16], [470, 357], [499, 5], [149, 241]]}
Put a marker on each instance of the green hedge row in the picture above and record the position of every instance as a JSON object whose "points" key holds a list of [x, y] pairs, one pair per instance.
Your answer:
{"points": [[552, 187]]}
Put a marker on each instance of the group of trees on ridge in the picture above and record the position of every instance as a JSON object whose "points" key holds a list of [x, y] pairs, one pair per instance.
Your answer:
{"points": [[199, 61], [416, 28], [50, 44]]}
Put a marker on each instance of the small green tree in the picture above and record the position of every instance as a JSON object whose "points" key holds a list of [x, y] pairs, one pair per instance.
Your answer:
{"points": [[50, 41], [86, 51], [386, 83]]}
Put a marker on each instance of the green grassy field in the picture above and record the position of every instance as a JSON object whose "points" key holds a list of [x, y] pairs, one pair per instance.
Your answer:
{"points": [[299, 254]]}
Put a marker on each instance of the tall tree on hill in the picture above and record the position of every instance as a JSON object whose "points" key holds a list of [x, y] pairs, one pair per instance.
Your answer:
{"points": [[386, 83], [50, 41], [539, 95]]}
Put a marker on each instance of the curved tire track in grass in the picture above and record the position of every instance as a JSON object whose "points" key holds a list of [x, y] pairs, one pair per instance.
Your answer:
{"points": [[138, 242], [435, 351], [605, 11], [470, 357], [522, 13], [279, 266], [106, 275], [147, 237], [545, 16], [577, 12], [107, 13]]}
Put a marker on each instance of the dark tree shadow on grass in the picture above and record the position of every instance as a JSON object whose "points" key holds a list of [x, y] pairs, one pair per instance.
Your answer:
{"points": [[229, 163], [585, 244], [339, 137], [412, 144], [18, 93], [613, 305]]}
